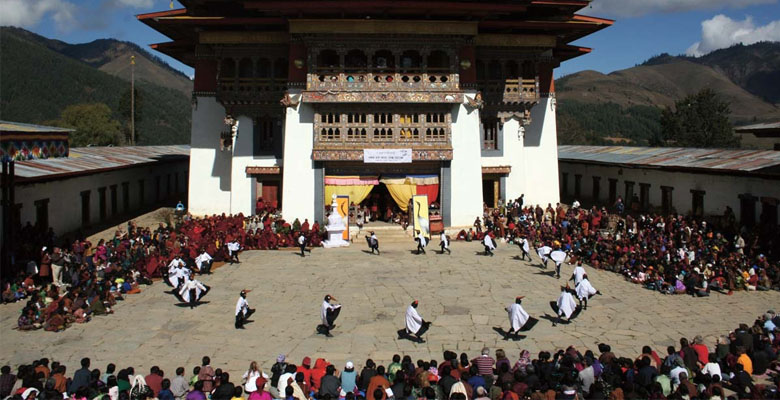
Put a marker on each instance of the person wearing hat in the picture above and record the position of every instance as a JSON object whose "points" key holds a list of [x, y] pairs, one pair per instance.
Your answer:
{"points": [[422, 241], [585, 291], [415, 324], [328, 313], [192, 290], [522, 242], [373, 242], [517, 317], [565, 306], [242, 310], [488, 244], [348, 378]]}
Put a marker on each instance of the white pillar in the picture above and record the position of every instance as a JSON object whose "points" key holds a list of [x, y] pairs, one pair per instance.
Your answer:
{"points": [[541, 155], [210, 176], [298, 171], [466, 167], [241, 200]]}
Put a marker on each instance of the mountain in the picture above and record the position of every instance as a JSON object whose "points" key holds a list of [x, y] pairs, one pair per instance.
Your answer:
{"points": [[596, 107], [113, 57], [40, 77]]}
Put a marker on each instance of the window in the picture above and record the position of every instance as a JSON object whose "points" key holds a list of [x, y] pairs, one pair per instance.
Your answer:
{"points": [[42, 214], [355, 61], [666, 199], [85, 208], [629, 198], [126, 197], [490, 134], [383, 60], [747, 209], [245, 68], [227, 68], [596, 188], [577, 185], [263, 135], [328, 61], [411, 61], [644, 195], [565, 184], [114, 206], [697, 203], [769, 211], [612, 191], [176, 183], [438, 61], [102, 203], [141, 193]]}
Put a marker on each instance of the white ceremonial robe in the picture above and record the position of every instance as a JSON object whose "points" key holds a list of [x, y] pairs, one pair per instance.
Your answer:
{"points": [[517, 316], [585, 289], [413, 320], [203, 258], [488, 242], [559, 256], [233, 247], [579, 274], [566, 304], [423, 240], [177, 276], [241, 306], [184, 292], [445, 241], [324, 311], [544, 253], [524, 245]]}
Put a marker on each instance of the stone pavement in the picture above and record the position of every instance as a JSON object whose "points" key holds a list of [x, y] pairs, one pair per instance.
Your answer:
{"points": [[463, 294]]}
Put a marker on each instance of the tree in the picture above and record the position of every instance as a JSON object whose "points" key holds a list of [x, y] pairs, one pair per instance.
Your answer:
{"points": [[698, 120], [93, 125]]}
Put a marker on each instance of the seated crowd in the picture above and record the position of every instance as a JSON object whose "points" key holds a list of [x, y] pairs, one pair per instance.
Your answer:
{"points": [[690, 371], [73, 282], [673, 254]]}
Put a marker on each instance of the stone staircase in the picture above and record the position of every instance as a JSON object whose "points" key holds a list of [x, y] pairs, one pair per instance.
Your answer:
{"points": [[386, 233]]}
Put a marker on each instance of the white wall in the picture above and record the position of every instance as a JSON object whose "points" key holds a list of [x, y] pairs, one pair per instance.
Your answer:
{"points": [[540, 150], [721, 190], [511, 153], [466, 193], [298, 172], [210, 168], [65, 194]]}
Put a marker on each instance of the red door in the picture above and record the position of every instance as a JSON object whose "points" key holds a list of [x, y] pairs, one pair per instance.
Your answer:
{"points": [[271, 193]]}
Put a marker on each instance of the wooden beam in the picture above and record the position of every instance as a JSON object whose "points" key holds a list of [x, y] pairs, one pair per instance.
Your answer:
{"points": [[508, 40], [360, 5], [243, 37], [374, 26]]}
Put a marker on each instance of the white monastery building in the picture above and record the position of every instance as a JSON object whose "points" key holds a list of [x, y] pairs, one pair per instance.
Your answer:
{"points": [[295, 101]]}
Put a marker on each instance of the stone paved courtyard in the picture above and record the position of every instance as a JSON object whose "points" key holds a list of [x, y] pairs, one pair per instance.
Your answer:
{"points": [[463, 294]]}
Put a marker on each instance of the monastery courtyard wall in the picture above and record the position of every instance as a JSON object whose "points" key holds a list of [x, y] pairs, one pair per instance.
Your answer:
{"points": [[463, 294]]}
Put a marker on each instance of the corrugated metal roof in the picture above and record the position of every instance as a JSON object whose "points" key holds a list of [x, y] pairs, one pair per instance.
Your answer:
{"points": [[7, 126], [674, 157], [85, 160], [756, 127]]}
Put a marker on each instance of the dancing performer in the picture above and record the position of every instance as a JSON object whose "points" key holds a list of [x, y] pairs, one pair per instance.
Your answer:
{"points": [[328, 313], [177, 270], [544, 254], [585, 291], [578, 274], [517, 317], [489, 244], [233, 247], [415, 324], [192, 290], [421, 242], [242, 310], [373, 242], [444, 244], [565, 306], [558, 256], [203, 262], [524, 247], [302, 244]]}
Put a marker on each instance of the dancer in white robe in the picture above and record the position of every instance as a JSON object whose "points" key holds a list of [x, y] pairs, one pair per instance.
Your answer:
{"points": [[558, 256], [203, 262], [233, 249], [489, 245], [373, 242], [177, 271], [444, 244], [578, 274], [585, 291], [565, 306], [517, 316], [328, 314], [544, 254], [415, 324], [192, 291], [421, 242], [525, 248]]}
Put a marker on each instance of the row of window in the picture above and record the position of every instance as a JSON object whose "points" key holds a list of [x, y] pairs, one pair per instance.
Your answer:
{"points": [[383, 118], [382, 134], [253, 68], [357, 60]]}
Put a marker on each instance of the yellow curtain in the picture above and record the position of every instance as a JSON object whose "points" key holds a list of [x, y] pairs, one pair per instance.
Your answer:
{"points": [[356, 193], [402, 194]]}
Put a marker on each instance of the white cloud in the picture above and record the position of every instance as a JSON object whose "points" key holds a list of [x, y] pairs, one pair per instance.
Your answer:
{"points": [[636, 8], [137, 3], [721, 31], [28, 13]]}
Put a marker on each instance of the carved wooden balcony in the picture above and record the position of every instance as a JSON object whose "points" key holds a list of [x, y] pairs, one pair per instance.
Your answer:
{"points": [[250, 90], [510, 91], [391, 87]]}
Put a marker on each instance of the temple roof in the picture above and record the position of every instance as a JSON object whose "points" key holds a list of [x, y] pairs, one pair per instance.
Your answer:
{"points": [[525, 17]]}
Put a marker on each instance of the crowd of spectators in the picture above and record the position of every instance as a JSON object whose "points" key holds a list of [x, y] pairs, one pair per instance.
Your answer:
{"points": [[672, 254], [743, 364], [71, 281]]}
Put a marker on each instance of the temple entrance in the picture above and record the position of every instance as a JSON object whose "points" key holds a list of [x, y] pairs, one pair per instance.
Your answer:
{"points": [[380, 205]]}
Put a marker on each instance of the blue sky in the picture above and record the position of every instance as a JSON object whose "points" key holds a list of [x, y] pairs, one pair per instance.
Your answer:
{"points": [[643, 28]]}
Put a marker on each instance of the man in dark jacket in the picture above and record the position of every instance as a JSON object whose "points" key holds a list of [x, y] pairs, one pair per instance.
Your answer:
{"points": [[81, 377], [225, 389], [329, 385]]}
